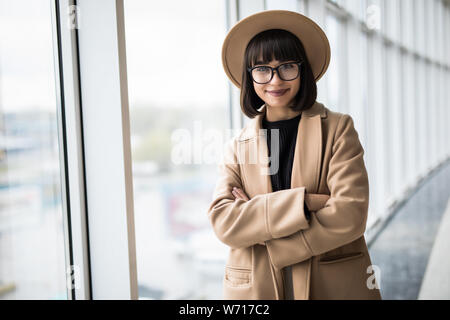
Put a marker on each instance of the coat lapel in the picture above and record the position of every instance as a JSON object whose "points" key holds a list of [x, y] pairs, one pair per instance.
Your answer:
{"points": [[307, 155]]}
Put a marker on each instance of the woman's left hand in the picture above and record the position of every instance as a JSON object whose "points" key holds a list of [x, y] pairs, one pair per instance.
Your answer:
{"points": [[239, 194]]}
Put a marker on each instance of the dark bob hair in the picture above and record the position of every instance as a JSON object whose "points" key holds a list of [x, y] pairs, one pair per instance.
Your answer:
{"points": [[281, 45]]}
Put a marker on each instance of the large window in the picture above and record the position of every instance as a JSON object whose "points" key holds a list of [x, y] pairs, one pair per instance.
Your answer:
{"points": [[178, 98], [73, 204], [32, 242]]}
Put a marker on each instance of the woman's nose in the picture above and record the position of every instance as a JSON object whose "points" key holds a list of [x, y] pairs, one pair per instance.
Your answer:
{"points": [[275, 78]]}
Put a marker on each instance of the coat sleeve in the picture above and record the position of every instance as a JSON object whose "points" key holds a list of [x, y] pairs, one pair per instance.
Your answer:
{"points": [[239, 223], [344, 215]]}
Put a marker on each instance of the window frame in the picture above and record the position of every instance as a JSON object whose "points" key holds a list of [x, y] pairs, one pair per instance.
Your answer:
{"points": [[97, 171], [71, 153]]}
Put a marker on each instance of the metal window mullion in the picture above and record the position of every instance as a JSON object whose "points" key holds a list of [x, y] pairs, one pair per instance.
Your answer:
{"points": [[106, 131], [236, 116], [71, 152]]}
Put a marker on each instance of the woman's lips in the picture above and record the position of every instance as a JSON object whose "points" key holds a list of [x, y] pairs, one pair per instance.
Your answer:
{"points": [[277, 93]]}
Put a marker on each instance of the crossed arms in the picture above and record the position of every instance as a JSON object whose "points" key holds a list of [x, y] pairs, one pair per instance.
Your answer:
{"points": [[278, 219]]}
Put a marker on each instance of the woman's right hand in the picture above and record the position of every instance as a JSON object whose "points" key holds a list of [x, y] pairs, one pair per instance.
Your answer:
{"points": [[238, 193]]}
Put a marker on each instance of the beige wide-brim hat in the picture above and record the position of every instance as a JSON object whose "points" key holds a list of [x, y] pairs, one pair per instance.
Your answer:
{"points": [[310, 34]]}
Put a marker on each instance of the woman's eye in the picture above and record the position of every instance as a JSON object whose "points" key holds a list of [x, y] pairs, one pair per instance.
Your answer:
{"points": [[262, 69], [288, 66]]}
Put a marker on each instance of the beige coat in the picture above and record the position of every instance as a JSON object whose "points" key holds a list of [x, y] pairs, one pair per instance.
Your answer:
{"points": [[328, 253]]}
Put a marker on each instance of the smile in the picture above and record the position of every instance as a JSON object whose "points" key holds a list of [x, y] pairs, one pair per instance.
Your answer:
{"points": [[278, 93]]}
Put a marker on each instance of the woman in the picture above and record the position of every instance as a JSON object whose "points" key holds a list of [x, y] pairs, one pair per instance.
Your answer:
{"points": [[292, 196]]}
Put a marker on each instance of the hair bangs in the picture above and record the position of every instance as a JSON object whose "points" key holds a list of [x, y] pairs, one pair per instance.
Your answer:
{"points": [[273, 44]]}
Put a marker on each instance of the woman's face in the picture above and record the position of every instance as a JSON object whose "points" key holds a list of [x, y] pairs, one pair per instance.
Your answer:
{"points": [[267, 92]]}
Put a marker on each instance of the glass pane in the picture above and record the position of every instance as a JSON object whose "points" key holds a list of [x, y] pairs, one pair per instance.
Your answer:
{"points": [[249, 7], [356, 7], [32, 248], [282, 5], [357, 75], [177, 90], [334, 33]]}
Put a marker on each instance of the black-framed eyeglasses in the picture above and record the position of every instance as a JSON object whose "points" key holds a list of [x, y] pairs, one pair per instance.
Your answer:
{"points": [[286, 71]]}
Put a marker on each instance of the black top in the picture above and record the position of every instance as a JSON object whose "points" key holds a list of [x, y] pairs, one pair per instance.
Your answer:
{"points": [[281, 179]]}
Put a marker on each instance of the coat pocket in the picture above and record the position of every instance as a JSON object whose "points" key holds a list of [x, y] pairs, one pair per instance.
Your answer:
{"points": [[343, 276], [341, 257], [238, 276]]}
